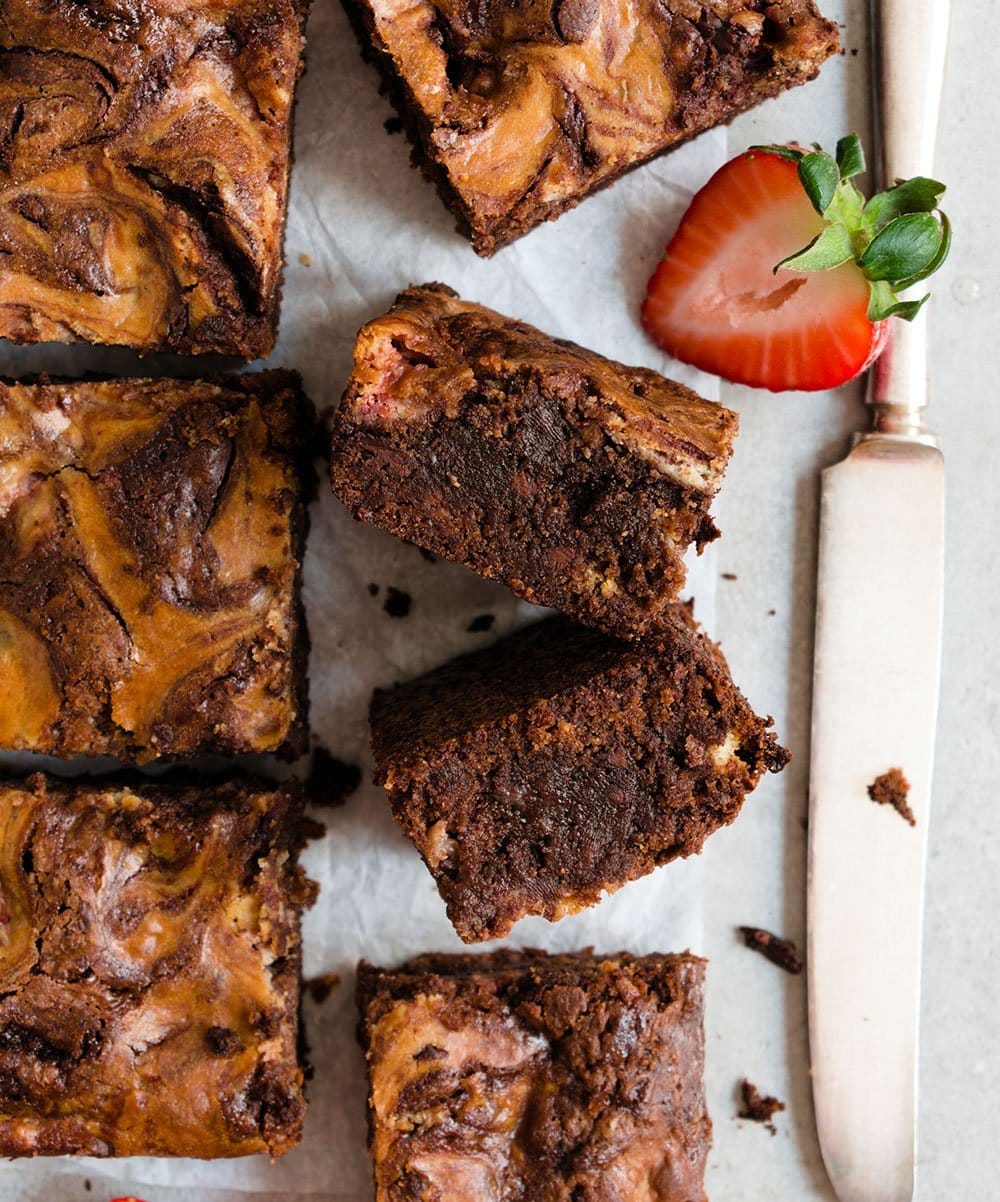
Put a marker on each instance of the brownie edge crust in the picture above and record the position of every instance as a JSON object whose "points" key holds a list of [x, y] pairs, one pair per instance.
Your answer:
{"points": [[517, 112], [576, 481], [145, 148], [150, 968], [569, 1078]]}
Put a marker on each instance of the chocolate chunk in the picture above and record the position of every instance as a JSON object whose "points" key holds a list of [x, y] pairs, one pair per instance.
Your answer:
{"points": [[574, 19], [397, 603], [779, 951], [223, 1041]]}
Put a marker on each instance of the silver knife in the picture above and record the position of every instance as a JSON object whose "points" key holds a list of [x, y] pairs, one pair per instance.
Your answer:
{"points": [[875, 699]]}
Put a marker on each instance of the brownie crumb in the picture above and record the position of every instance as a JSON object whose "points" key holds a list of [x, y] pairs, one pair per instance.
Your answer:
{"points": [[854, 52], [223, 1041], [331, 780], [771, 613], [782, 952], [729, 576], [397, 603], [319, 988], [86, 1184], [481, 623], [373, 589], [394, 125], [758, 1108], [892, 789]]}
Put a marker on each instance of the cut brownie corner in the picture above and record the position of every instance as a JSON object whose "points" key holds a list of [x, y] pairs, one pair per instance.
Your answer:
{"points": [[544, 1043], [541, 773], [177, 146], [516, 116], [578, 482], [197, 979]]}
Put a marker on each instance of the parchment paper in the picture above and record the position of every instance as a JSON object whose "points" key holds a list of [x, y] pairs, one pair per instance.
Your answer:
{"points": [[362, 225]]}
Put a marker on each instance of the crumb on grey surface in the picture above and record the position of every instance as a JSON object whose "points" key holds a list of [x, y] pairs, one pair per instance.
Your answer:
{"points": [[331, 780], [397, 602], [481, 623], [320, 987], [758, 1107], [373, 589]]}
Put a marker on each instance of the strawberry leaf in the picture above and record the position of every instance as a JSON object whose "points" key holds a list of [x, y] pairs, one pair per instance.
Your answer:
{"points": [[851, 157], [883, 304], [917, 195], [791, 153], [936, 262], [904, 249], [828, 249], [820, 177]]}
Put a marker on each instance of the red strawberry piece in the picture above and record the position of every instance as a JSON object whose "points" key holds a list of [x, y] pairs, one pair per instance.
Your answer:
{"points": [[717, 302]]}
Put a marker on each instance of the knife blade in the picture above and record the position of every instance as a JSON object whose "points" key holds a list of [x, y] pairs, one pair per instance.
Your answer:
{"points": [[875, 695]]}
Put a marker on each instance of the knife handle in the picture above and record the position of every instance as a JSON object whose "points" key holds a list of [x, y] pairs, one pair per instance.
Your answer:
{"points": [[909, 45]]}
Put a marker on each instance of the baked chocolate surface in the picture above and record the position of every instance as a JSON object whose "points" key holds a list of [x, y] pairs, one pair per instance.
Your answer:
{"points": [[558, 764], [144, 158], [151, 536], [518, 111], [149, 968], [576, 481], [517, 1075]]}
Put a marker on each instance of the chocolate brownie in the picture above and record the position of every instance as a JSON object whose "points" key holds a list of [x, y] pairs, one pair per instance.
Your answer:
{"points": [[519, 111], [558, 764], [549, 1078], [144, 157], [149, 968], [151, 535], [576, 481]]}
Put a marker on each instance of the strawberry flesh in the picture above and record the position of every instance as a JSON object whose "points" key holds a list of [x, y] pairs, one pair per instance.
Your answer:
{"points": [[715, 301]]}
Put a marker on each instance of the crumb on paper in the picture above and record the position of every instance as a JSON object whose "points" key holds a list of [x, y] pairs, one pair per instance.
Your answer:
{"points": [[393, 125], [758, 1107], [892, 789], [481, 623], [319, 988], [771, 613], [397, 603], [373, 589], [310, 830], [306, 260], [331, 780], [781, 952], [729, 576]]}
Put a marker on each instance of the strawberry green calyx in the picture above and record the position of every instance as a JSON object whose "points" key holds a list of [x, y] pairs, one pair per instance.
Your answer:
{"points": [[897, 238]]}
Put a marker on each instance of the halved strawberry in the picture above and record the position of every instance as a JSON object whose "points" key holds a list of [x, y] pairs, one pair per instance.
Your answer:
{"points": [[818, 318]]}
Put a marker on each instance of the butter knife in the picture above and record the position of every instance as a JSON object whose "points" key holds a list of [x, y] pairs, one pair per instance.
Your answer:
{"points": [[875, 699]]}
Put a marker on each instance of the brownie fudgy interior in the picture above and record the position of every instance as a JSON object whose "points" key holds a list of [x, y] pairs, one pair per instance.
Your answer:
{"points": [[549, 1078], [558, 764], [518, 111], [578, 482], [149, 968], [151, 536], [144, 158]]}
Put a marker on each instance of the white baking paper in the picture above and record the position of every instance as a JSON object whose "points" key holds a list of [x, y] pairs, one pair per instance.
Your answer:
{"points": [[362, 225]]}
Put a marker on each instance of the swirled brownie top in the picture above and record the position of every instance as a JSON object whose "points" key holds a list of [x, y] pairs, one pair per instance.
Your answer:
{"points": [[144, 155], [519, 110], [149, 968], [150, 540], [518, 1075]]}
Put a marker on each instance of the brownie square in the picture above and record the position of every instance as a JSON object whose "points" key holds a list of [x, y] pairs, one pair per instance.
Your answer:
{"points": [[576, 481], [151, 535], [518, 111], [144, 159], [149, 968], [559, 764], [571, 1078]]}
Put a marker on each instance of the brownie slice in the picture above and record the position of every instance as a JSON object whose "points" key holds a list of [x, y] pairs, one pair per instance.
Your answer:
{"points": [[151, 535], [519, 111], [144, 159], [559, 764], [149, 968], [576, 481], [549, 1078]]}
